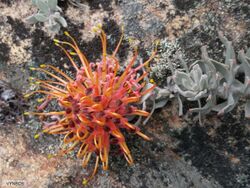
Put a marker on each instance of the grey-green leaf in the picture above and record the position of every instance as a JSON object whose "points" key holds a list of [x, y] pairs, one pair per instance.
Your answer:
{"points": [[248, 53], [183, 79], [34, 2], [62, 21], [40, 17], [52, 4], [54, 28], [247, 109], [43, 6], [31, 19]]}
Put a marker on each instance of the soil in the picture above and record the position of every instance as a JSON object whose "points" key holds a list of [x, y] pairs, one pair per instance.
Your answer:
{"points": [[182, 153]]}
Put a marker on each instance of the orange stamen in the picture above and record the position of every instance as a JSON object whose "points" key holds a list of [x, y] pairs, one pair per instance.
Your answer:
{"points": [[143, 136], [47, 72], [45, 113], [68, 55], [58, 71], [148, 90], [118, 45], [140, 113]]}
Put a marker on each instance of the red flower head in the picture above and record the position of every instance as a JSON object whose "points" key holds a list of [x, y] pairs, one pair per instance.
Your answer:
{"points": [[95, 104]]}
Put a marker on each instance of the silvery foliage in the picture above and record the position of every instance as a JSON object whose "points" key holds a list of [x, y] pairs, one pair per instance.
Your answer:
{"points": [[49, 13], [152, 100], [211, 80], [199, 80], [205, 79], [244, 58], [158, 98]]}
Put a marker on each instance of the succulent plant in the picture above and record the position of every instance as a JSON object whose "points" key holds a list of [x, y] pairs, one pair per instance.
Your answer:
{"points": [[229, 87], [193, 84], [96, 105], [210, 79], [49, 13], [198, 81], [244, 58]]}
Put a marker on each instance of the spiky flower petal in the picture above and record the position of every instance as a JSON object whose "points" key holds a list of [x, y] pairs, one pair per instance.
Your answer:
{"points": [[95, 105]]}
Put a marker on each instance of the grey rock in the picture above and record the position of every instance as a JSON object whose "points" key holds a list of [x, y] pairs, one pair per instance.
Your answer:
{"points": [[8, 94]]}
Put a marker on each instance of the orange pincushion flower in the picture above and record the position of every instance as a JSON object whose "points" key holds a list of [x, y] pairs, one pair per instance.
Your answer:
{"points": [[95, 105]]}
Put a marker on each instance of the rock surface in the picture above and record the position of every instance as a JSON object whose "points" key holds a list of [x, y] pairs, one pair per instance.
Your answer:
{"points": [[182, 154]]}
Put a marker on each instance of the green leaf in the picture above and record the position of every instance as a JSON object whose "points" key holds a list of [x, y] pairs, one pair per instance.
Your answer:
{"points": [[196, 73], [199, 95], [61, 20], [247, 109], [245, 65], [40, 17], [187, 94], [34, 2], [230, 54], [248, 53], [207, 108], [31, 19], [222, 69], [43, 6], [237, 87], [161, 103], [145, 97], [183, 79], [54, 28], [52, 4], [203, 82], [230, 103]]}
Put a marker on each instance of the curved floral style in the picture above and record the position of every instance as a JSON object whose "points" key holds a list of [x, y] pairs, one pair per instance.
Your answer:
{"points": [[95, 104]]}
